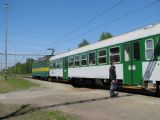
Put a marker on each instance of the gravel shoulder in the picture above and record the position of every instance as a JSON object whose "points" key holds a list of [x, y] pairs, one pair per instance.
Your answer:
{"points": [[90, 104]]}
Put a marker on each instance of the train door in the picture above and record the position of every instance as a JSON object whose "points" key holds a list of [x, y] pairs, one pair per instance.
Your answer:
{"points": [[132, 63], [65, 68]]}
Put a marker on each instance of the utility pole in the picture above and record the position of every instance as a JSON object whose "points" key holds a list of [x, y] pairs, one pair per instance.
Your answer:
{"points": [[1, 62], [6, 7], [15, 58]]}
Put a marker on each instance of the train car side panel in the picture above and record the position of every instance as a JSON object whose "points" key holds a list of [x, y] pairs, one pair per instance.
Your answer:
{"points": [[56, 73], [97, 72], [151, 71]]}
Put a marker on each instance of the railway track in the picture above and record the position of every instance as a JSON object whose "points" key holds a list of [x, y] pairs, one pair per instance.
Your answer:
{"points": [[150, 91]]}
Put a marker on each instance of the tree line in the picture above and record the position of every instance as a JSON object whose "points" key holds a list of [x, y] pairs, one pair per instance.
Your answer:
{"points": [[26, 68], [20, 68], [103, 36]]}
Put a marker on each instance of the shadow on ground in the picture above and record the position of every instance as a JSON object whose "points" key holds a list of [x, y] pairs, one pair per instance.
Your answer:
{"points": [[25, 109]]}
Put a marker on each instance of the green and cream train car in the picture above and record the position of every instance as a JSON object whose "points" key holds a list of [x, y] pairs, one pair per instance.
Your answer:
{"points": [[136, 55]]}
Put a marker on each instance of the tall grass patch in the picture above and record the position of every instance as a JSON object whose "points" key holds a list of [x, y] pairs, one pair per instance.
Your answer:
{"points": [[15, 83]]}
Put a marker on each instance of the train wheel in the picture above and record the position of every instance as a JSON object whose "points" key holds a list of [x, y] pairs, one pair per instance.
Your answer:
{"points": [[157, 88]]}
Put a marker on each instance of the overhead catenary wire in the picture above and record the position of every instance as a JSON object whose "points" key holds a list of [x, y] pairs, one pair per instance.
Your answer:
{"points": [[121, 28], [94, 18], [86, 23], [140, 21], [22, 54], [111, 21]]}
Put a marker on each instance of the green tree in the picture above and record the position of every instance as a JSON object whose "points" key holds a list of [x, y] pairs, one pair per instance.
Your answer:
{"points": [[105, 35], [83, 43], [21, 68], [28, 64], [18, 68]]}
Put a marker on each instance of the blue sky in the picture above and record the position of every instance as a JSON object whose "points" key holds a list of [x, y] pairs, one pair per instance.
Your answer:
{"points": [[36, 25]]}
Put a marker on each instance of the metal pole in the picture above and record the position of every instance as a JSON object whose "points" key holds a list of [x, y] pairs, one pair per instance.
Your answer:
{"points": [[15, 59], [1, 62], [6, 7]]}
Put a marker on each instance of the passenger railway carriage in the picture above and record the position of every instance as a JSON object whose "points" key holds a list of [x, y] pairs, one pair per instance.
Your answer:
{"points": [[136, 54]]}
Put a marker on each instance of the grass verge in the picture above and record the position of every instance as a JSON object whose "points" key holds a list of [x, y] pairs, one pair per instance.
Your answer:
{"points": [[15, 83], [27, 112]]}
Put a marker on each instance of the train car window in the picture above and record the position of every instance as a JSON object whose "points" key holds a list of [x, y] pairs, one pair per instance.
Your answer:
{"points": [[126, 52], [51, 64], [54, 64], [57, 64], [149, 49], [84, 59], [102, 56], [92, 58], [71, 61], [157, 49], [136, 51], [77, 60], [61, 63], [115, 54]]}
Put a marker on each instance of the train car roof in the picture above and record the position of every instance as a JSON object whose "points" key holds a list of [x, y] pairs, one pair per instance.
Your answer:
{"points": [[134, 35], [47, 57]]}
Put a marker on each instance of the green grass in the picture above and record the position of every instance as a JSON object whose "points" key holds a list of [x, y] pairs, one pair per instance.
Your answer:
{"points": [[15, 83], [26, 112], [48, 115]]}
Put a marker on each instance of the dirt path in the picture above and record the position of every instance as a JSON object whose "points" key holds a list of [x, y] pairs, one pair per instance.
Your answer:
{"points": [[91, 104]]}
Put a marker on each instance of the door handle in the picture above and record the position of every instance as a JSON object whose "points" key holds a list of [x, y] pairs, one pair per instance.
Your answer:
{"points": [[132, 67]]}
